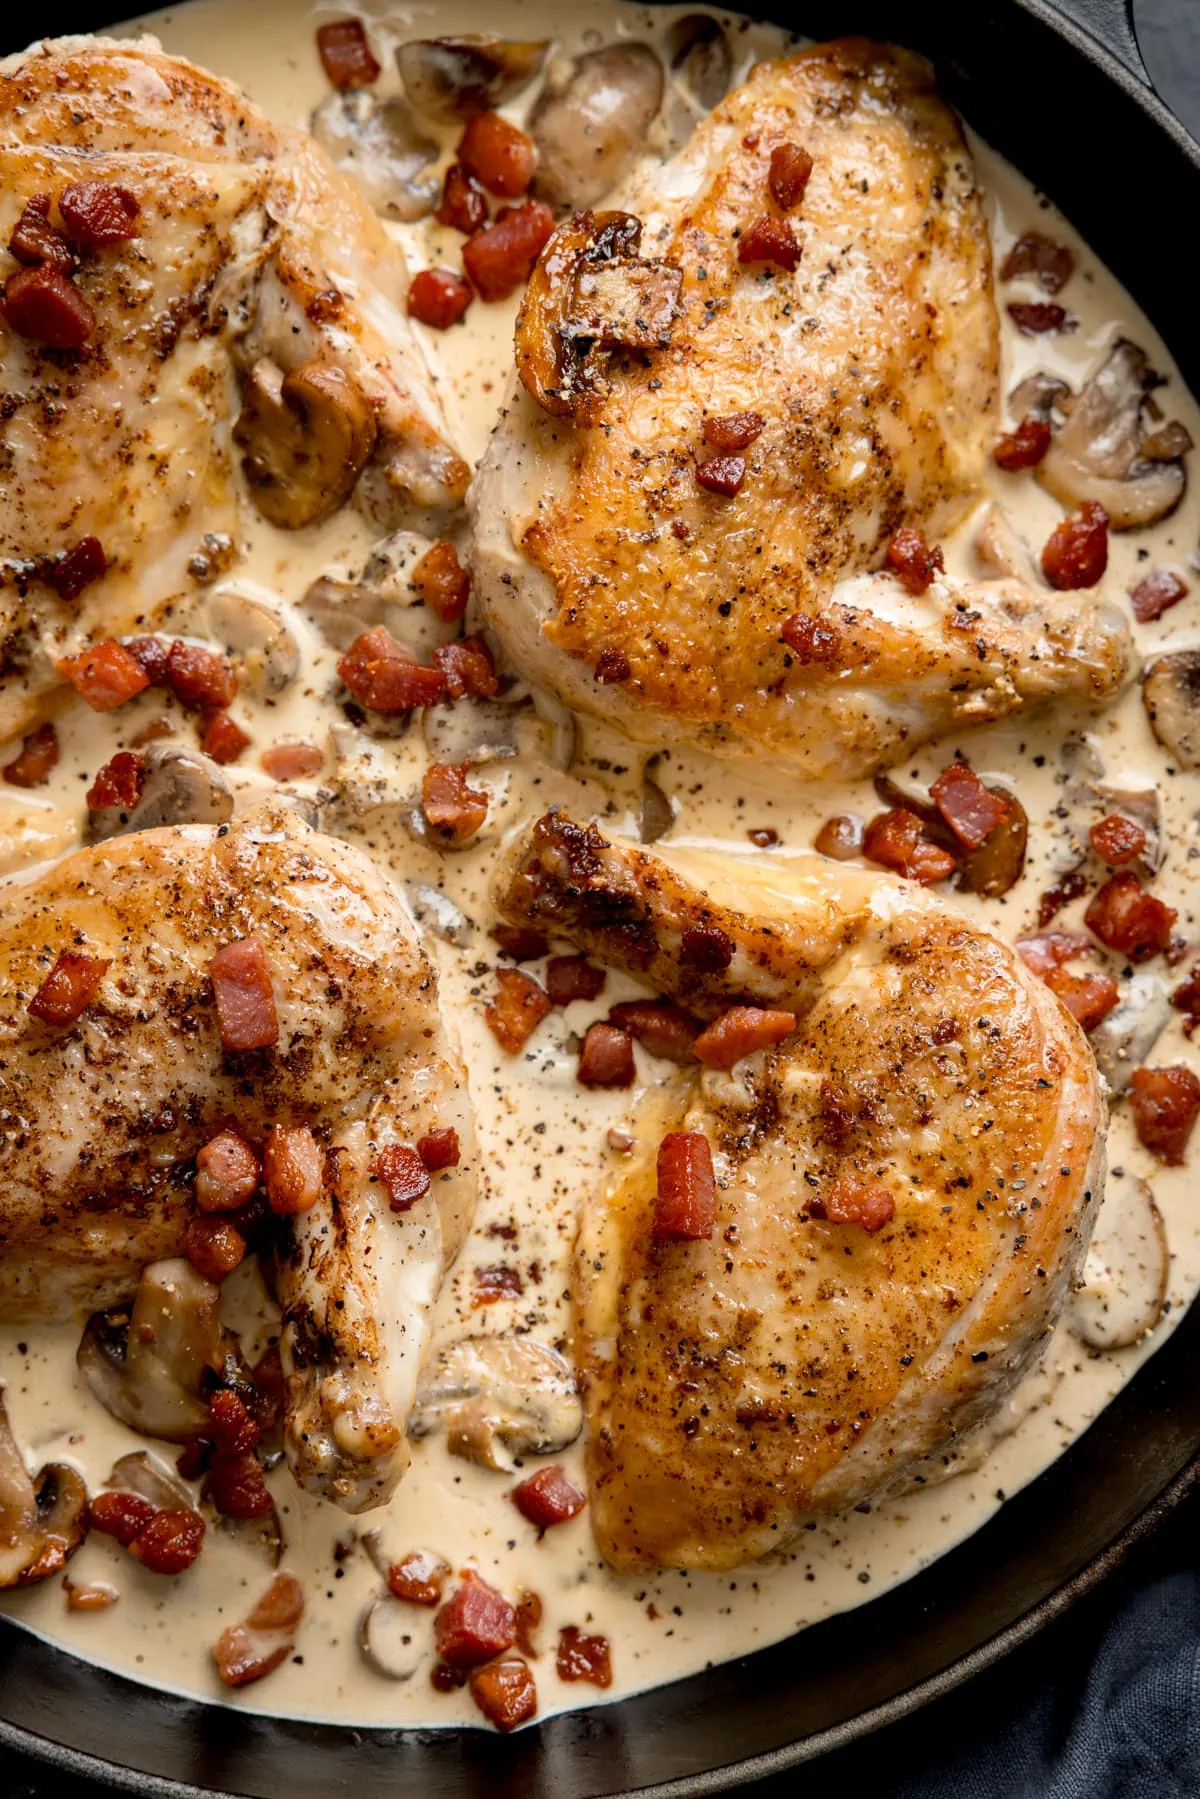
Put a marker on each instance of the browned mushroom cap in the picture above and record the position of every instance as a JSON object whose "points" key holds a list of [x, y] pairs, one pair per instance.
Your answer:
{"points": [[379, 144], [589, 129], [590, 292], [497, 1398], [1100, 452], [181, 787], [43, 1520], [307, 436], [1171, 696], [450, 78], [151, 1364]]}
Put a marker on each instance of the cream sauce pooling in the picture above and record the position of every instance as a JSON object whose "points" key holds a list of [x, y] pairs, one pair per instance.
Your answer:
{"points": [[544, 1137]]}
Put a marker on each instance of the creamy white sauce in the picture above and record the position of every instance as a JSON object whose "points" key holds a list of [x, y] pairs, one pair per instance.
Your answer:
{"points": [[544, 1137]]}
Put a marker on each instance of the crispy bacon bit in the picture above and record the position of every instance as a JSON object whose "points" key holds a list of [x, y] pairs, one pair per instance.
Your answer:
{"points": [[69, 989], [119, 782], [1128, 919], [517, 1009], [214, 1247], [382, 675], [840, 837], [529, 1618], [453, 809], [241, 1659], [464, 205], [223, 738], [1051, 903], [663, 1029], [520, 941], [105, 676], [468, 667], [685, 1207], [82, 564], [1051, 949], [912, 561], [851, 1201], [706, 947], [968, 807], [232, 1429], [1186, 999], [582, 1657], [441, 582], [721, 475], [1117, 839], [97, 214], [281, 1606], [419, 1578], [505, 1692], [769, 240], [548, 1497], [293, 1169], [200, 679], [400, 1169], [34, 239], [475, 1624], [44, 305], [34, 761], [346, 56], [1026, 446], [1089, 998], [150, 654], [241, 980], [1165, 1104], [606, 1059], [236, 1486], [787, 177], [501, 256], [169, 1542], [811, 639], [89, 1595], [733, 431], [292, 761], [438, 297], [500, 1281], [120, 1515], [1155, 594], [497, 153], [1076, 551], [742, 1031], [896, 840], [439, 1149], [1035, 318], [1033, 254], [572, 977], [612, 666], [444, 1679]]}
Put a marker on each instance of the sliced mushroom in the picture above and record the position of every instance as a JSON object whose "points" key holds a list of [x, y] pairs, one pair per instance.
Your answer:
{"points": [[151, 1365], [588, 293], [181, 787], [1143, 804], [381, 593], [1124, 1040], [589, 127], [379, 144], [699, 58], [1087, 794], [1042, 395], [998, 863], [262, 1536], [43, 1518], [143, 1473], [470, 730], [393, 1637], [435, 911], [307, 436], [249, 621], [1171, 696], [1003, 551], [365, 776], [1098, 452], [1124, 1287], [657, 811], [497, 1398], [449, 78]]}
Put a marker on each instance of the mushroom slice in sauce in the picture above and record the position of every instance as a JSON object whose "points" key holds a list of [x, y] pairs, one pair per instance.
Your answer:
{"points": [[1088, 793], [1123, 1041], [43, 1518], [150, 1364], [471, 730], [1124, 1285], [306, 438], [436, 912], [656, 813], [181, 787], [1171, 696], [1003, 551], [1099, 452], [380, 594], [590, 125], [379, 144], [449, 78], [393, 1637], [143, 1473], [497, 1398], [1041, 394], [997, 865], [249, 621], [699, 58]]}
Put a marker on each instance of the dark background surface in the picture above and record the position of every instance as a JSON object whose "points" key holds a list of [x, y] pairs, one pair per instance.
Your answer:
{"points": [[1101, 1705]]}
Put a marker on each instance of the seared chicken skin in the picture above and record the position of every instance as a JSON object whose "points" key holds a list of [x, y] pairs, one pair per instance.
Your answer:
{"points": [[746, 620], [253, 260], [102, 1117], [905, 1186]]}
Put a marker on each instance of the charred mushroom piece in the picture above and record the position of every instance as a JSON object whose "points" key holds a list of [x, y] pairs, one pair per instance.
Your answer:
{"points": [[151, 1364], [589, 128], [43, 1519], [1124, 1285], [379, 144], [249, 621], [590, 292], [700, 59], [307, 436], [1123, 1041], [1171, 696], [997, 864], [181, 787], [497, 1398], [393, 1637], [449, 78], [1099, 452]]}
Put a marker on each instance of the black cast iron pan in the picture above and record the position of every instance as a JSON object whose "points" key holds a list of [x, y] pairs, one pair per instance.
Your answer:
{"points": [[1069, 103]]}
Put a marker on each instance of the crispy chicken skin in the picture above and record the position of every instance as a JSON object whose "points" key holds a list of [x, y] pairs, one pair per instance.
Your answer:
{"points": [[612, 577], [101, 1118], [792, 1365], [252, 249]]}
